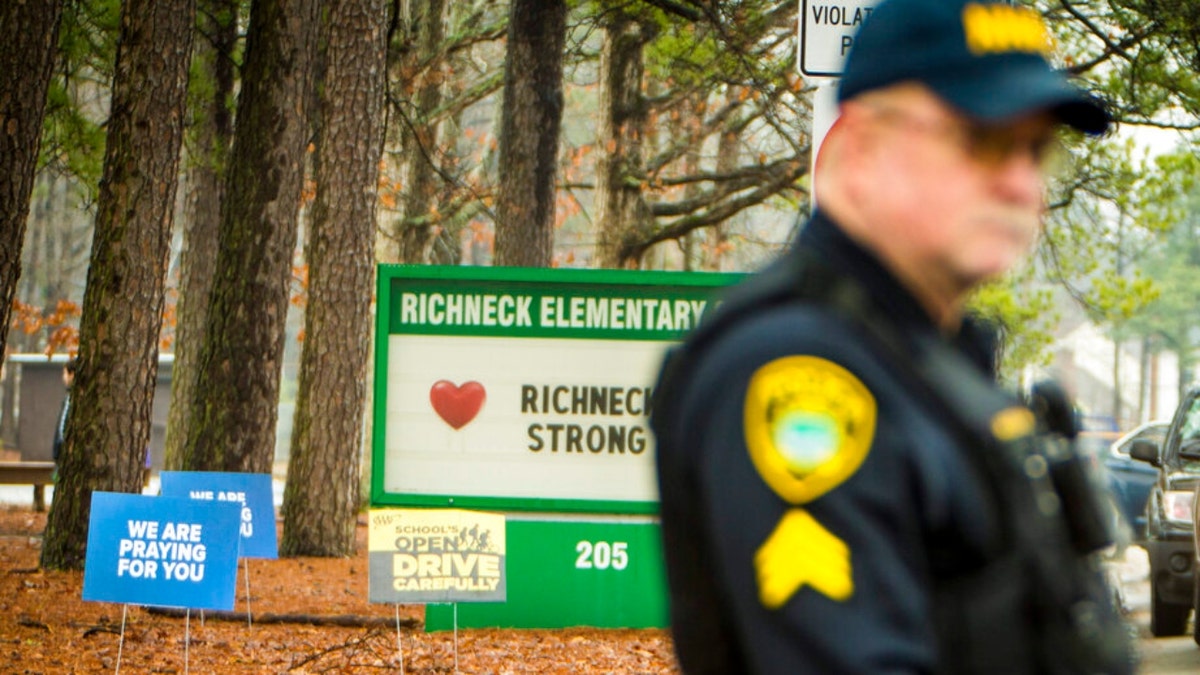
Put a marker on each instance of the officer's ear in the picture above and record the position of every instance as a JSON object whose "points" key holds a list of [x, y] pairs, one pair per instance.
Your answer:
{"points": [[842, 172], [854, 138]]}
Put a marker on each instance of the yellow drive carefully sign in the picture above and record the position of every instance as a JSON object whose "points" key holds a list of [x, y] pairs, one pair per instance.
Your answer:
{"points": [[436, 555]]}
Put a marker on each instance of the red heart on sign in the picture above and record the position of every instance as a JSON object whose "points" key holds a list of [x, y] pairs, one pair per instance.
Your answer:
{"points": [[457, 405]]}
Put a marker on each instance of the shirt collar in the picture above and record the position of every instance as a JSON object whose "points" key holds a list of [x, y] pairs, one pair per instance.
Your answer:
{"points": [[976, 338]]}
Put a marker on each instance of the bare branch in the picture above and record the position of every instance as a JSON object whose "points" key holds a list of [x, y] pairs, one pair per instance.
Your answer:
{"points": [[719, 212]]}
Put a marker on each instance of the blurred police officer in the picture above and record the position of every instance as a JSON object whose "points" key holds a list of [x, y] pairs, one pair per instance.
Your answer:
{"points": [[844, 488]]}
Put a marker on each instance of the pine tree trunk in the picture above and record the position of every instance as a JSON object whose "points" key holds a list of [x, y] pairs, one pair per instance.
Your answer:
{"points": [[108, 427], [420, 142], [210, 138], [529, 129], [232, 426], [727, 162], [29, 33], [321, 497], [620, 206]]}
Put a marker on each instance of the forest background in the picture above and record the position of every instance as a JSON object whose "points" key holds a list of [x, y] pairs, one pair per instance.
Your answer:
{"points": [[197, 176]]}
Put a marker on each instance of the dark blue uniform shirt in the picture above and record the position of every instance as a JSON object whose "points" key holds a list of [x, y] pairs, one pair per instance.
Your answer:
{"points": [[912, 511]]}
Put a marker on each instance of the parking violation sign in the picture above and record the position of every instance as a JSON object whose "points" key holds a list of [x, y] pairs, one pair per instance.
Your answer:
{"points": [[827, 29]]}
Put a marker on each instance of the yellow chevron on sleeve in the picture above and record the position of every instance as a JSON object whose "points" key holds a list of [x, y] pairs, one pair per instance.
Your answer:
{"points": [[801, 551]]}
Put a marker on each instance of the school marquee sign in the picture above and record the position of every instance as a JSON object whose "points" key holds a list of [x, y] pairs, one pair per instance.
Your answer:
{"points": [[523, 389]]}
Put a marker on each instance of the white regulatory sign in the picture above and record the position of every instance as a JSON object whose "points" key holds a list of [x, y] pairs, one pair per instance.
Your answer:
{"points": [[827, 29]]}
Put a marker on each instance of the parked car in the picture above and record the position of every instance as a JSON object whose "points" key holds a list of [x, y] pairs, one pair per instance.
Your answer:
{"points": [[1170, 533], [1129, 481]]}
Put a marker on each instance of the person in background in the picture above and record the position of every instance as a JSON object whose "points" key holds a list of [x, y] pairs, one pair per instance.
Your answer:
{"points": [[844, 487], [68, 378]]}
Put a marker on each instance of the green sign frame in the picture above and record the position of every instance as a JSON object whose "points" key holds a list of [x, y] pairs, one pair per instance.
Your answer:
{"points": [[558, 304]]}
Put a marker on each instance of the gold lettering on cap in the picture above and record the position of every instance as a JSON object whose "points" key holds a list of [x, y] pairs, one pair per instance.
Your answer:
{"points": [[998, 29]]}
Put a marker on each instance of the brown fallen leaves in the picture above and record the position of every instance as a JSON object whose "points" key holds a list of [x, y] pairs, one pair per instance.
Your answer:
{"points": [[46, 628]]}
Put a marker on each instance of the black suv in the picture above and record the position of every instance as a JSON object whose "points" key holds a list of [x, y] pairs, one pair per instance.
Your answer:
{"points": [[1170, 534]]}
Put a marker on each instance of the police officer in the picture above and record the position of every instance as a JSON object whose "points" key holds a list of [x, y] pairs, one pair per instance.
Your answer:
{"points": [[844, 488]]}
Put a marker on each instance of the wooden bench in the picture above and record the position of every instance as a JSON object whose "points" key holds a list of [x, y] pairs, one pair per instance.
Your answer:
{"points": [[37, 474]]}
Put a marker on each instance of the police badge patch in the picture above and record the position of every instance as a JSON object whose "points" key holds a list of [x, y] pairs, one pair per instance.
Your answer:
{"points": [[808, 425]]}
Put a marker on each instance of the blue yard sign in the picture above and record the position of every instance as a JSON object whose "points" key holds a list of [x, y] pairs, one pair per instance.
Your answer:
{"points": [[161, 551], [250, 491]]}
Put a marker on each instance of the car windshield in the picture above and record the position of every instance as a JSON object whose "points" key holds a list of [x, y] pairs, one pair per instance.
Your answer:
{"points": [[1189, 437]]}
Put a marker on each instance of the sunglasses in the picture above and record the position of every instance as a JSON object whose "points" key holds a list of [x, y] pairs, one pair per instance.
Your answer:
{"points": [[991, 145]]}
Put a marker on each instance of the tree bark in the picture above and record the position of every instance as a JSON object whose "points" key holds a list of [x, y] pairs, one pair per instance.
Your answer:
{"points": [[417, 227], [530, 120], [108, 426], [232, 424], [30, 31], [321, 497], [620, 205], [209, 141], [727, 162]]}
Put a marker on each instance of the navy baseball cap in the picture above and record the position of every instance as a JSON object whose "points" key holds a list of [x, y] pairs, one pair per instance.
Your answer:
{"points": [[984, 57]]}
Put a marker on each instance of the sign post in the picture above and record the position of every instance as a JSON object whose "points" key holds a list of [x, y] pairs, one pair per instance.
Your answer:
{"points": [[827, 30]]}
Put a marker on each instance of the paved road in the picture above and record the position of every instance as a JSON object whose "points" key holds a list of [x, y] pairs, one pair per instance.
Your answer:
{"points": [[1170, 656], [1161, 656]]}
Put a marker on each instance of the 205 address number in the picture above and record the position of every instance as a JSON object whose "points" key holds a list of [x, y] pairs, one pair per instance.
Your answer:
{"points": [[602, 555]]}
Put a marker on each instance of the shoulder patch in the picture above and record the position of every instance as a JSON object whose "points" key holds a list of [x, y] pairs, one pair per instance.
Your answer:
{"points": [[808, 425]]}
